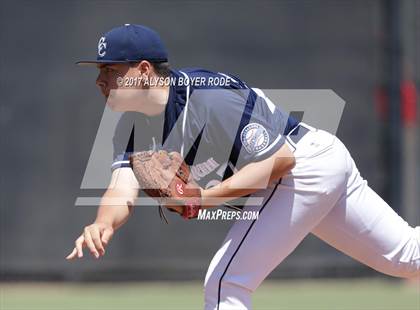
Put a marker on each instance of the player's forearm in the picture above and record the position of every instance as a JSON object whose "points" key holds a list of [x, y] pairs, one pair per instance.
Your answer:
{"points": [[116, 207], [251, 178]]}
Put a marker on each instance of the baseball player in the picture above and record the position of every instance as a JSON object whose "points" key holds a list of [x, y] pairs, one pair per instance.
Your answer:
{"points": [[239, 145]]}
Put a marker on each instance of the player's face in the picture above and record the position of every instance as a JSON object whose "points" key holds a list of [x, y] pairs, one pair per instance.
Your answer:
{"points": [[108, 75], [125, 90], [121, 85]]}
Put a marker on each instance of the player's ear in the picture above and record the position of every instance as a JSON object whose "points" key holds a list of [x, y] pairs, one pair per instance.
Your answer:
{"points": [[145, 68]]}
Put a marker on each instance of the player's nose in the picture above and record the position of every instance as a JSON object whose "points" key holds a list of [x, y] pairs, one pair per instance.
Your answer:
{"points": [[101, 84]]}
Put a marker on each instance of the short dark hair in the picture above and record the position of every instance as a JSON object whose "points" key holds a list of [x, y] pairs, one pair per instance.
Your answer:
{"points": [[162, 69]]}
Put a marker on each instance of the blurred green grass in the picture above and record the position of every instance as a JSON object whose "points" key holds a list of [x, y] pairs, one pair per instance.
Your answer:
{"points": [[273, 295]]}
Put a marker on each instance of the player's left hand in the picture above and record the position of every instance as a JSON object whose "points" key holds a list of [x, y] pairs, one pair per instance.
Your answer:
{"points": [[166, 177]]}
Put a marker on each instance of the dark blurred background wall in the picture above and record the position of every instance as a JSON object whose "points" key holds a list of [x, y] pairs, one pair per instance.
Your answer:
{"points": [[51, 109]]}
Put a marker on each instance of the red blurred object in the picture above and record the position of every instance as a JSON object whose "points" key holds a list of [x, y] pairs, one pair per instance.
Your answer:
{"points": [[408, 102], [409, 98]]}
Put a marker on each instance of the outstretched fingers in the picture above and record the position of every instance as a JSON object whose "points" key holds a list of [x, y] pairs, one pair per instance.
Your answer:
{"points": [[78, 249]]}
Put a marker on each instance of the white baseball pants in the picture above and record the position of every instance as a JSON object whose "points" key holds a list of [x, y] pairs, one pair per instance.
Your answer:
{"points": [[324, 194]]}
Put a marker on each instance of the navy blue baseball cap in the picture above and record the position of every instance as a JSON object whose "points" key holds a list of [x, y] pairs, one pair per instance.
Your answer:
{"points": [[129, 43]]}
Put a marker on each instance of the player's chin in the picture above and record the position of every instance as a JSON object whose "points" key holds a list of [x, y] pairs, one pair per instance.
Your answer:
{"points": [[114, 106]]}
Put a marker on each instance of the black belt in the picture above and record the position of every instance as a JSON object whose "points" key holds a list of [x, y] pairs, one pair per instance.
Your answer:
{"points": [[297, 133]]}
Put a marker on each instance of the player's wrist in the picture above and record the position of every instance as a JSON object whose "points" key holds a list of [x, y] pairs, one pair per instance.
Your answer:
{"points": [[104, 223], [208, 198]]}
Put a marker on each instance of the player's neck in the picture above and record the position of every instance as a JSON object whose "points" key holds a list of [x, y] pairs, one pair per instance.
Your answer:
{"points": [[156, 101]]}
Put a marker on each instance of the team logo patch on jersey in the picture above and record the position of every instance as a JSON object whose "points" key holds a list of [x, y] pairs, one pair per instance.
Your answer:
{"points": [[254, 138]]}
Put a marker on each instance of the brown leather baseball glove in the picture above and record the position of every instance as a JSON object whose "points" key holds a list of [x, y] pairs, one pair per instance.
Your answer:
{"points": [[166, 177]]}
